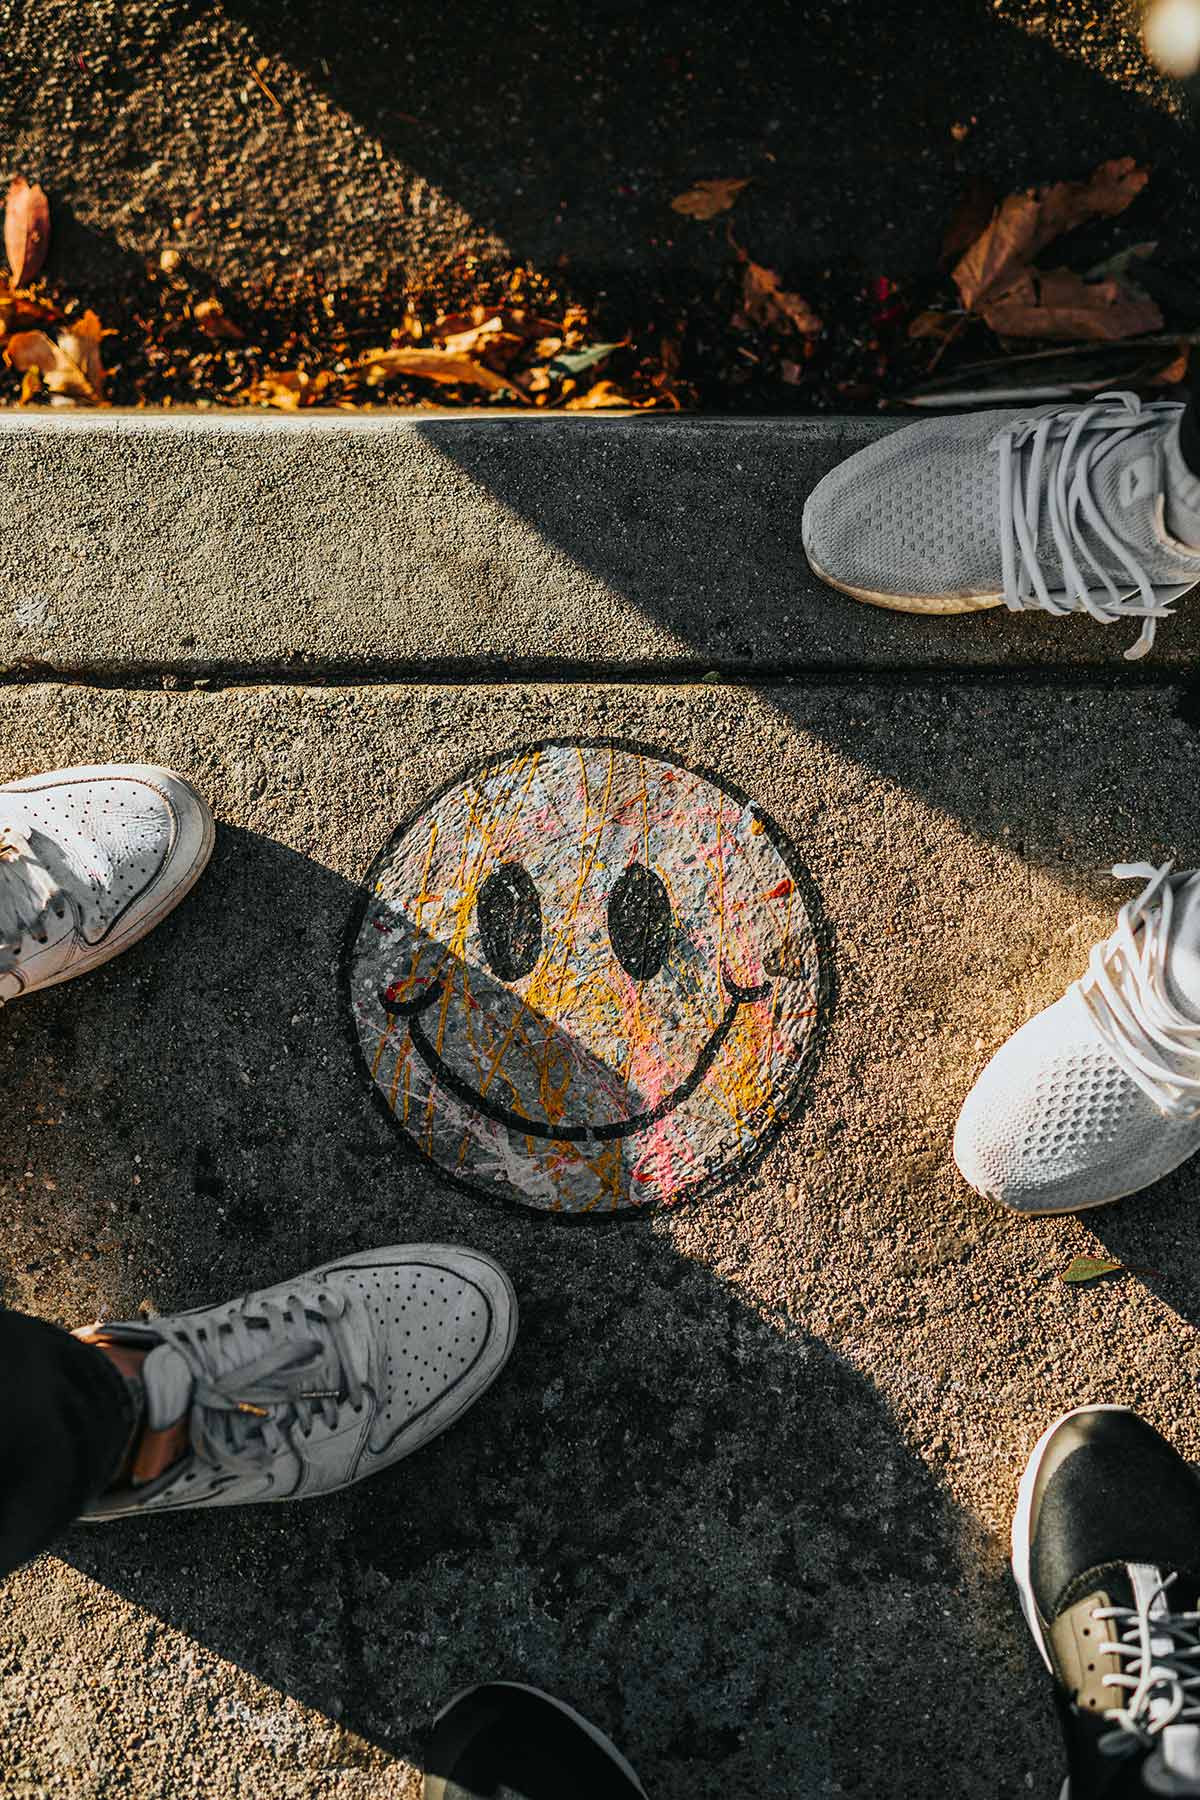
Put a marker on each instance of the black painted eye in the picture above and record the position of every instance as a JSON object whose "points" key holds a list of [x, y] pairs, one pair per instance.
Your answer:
{"points": [[510, 921], [639, 922]]}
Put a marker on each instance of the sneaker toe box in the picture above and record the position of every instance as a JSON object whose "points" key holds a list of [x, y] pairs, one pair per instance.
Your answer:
{"points": [[443, 1321], [909, 521], [1054, 1124]]}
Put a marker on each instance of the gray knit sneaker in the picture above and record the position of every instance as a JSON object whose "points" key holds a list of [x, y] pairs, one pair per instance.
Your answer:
{"points": [[313, 1384], [90, 860], [1061, 509]]}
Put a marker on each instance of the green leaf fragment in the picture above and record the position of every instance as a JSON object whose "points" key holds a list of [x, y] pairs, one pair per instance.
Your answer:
{"points": [[573, 362], [1091, 1268]]}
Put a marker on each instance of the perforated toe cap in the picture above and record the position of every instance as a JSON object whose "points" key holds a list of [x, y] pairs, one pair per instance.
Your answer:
{"points": [[442, 1322], [1054, 1124]]}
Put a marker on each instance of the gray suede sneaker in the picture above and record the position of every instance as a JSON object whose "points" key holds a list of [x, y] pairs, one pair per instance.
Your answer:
{"points": [[91, 859], [1059, 509], [305, 1387]]}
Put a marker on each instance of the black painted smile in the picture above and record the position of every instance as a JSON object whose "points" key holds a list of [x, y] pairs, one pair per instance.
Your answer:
{"points": [[411, 1011]]}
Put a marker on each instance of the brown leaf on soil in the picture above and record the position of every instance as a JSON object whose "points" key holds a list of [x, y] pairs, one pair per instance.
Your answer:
{"points": [[1025, 223], [287, 389], [210, 317], [705, 199], [931, 324], [1176, 371], [26, 231], [1061, 304], [489, 342], [22, 311], [475, 337], [70, 369], [769, 304], [970, 217], [435, 365], [600, 397], [516, 319]]}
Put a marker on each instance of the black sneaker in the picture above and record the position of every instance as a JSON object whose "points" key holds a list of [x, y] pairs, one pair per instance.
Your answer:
{"points": [[1106, 1554], [504, 1741]]}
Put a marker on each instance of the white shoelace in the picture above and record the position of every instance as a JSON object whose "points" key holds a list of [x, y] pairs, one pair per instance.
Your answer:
{"points": [[36, 881], [265, 1372], [1125, 993], [1159, 1652], [1049, 462]]}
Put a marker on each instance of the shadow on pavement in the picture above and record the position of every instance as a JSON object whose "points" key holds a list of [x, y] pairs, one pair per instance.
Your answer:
{"points": [[693, 1521], [565, 132]]}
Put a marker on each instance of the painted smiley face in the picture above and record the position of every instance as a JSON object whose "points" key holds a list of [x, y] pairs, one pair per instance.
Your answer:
{"points": [[586, 978]]}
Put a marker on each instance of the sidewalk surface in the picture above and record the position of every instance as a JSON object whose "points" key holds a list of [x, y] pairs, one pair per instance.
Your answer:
{"points": [[743, 1494]]}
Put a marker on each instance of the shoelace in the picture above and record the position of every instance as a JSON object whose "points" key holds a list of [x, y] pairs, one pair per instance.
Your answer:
{"points": [[246, 1398], [1125, 993], [36, 881], [1160, 1656], [1049, 461]]}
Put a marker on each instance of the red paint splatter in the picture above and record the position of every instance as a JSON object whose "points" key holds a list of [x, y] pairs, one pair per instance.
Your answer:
{"points": [[781, 892]]}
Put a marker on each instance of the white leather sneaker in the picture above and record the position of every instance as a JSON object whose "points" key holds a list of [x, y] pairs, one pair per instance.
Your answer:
{"points": [[90, 860], [1099, 1095], [313, 1384]]}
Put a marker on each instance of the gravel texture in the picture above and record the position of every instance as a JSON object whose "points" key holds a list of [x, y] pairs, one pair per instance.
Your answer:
{"points": [[743, 1494]]}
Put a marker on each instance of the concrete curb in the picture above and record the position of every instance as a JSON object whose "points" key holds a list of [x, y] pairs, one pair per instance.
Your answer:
{"points": [[243, 543]]}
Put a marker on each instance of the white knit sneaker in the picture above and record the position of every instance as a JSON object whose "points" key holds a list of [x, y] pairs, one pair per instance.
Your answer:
{"points": [[1061, 509], [90, 860], [315, 1383], [1099, 1095]]}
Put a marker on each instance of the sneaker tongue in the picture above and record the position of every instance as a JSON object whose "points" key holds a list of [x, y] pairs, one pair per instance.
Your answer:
{"points": [[1183, 949], [167, 1381], [1127, 482]]}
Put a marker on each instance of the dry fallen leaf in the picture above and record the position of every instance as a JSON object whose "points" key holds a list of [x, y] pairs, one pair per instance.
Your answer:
{"points": [[26, 231], [1061, 304], [1176, 371], [767, 303], [516, 319], [435, 365], [931, 324], [575, 362], [22, 311], [970, 217], [1025, 223], [705, 199], [475, 337], [287, 389], [70, 369], [210, 317], [598, 398]]}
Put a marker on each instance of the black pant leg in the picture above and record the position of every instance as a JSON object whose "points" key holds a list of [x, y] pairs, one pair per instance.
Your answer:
{"points": [[1189, 425], [66, 1418]]}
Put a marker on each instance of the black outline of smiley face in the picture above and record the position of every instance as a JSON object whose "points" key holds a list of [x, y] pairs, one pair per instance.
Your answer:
{"points": [[786, 1107]]}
